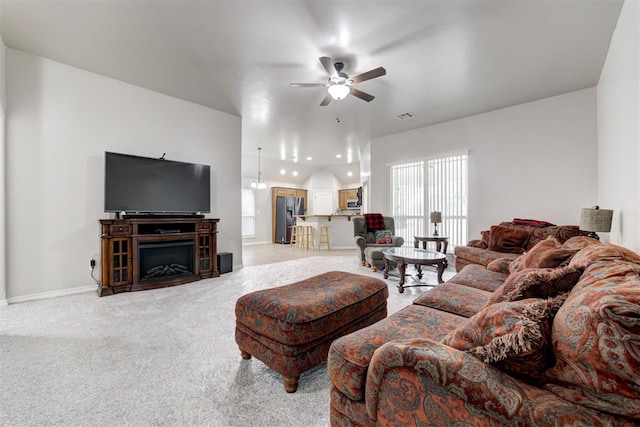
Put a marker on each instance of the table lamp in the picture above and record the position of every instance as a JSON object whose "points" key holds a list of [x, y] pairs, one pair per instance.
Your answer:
{"points": [[595, 219], [436, 218]]}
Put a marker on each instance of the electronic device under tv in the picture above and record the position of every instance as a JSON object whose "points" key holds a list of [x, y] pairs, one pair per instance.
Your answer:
{"points": [[143, 185]]}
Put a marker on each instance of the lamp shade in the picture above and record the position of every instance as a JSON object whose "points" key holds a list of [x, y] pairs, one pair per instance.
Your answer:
{"points": [[596, 219], [436, 217]]}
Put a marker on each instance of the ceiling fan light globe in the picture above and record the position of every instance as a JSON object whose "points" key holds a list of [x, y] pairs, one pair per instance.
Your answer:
{"points": [[339, 91]]}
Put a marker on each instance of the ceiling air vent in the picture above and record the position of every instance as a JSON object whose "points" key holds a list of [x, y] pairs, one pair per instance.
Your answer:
{"points": [[406, 115]]}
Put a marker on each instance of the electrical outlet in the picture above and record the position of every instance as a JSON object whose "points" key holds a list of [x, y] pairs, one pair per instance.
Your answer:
{"points": [[92, 263]]}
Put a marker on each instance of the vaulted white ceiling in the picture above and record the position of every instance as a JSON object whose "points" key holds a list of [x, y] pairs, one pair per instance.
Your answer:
{"points": [[444, 59]]}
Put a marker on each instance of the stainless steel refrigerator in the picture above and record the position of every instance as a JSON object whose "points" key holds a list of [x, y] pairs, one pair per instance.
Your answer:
{"points": [[286, 210]]}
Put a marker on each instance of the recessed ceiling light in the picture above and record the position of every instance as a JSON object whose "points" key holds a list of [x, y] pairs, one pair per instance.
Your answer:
{"points": [[295, 160], [282, 171], [338, 156], [349, 173], [309, 158], [295, 173]]}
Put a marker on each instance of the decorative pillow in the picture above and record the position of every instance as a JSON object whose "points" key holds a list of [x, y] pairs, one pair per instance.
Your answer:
{"points": [[383, 236], [513, 336], [501, 265], [476, 243], [536, 283], [579, 242], [374, 221], [547, 253], [560, 232], [507, 239]]}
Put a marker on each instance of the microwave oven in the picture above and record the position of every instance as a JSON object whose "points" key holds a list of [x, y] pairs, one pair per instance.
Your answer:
{"points": [[352, 204]]}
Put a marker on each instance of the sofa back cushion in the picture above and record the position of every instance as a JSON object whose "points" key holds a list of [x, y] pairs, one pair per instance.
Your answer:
{"points": [[596, 338], [507, 239]]}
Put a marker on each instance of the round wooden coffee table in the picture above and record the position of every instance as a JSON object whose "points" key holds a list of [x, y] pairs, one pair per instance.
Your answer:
{"points": [[418, 257]]}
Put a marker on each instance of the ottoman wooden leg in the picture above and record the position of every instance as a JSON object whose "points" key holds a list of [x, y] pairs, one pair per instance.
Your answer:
{"points": [[290, 384], [245, 355]]}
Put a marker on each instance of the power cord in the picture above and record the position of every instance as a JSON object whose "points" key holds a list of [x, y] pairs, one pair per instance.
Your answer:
{"points": [[92, 264]]}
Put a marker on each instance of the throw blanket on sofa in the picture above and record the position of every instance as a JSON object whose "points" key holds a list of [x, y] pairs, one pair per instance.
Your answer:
{"points": [[374, 221], [532, 222]]}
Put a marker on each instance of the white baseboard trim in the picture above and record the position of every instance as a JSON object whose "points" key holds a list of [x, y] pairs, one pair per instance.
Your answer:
{"points": [[250, 243], [3, 302], [52, 294]]}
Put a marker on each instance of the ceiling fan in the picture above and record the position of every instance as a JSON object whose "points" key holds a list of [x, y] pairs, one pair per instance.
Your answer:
{"points": [[340, 84]]}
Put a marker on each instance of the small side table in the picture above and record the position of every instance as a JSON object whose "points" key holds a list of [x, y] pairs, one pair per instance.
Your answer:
{"points": [[442, 243]]}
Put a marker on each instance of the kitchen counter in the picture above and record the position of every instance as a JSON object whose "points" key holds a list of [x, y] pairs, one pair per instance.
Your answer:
{"points": [[327, 217], [340, 229]]}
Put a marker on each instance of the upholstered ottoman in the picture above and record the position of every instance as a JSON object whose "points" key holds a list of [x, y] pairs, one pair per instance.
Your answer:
{"points": [[290, 328]]}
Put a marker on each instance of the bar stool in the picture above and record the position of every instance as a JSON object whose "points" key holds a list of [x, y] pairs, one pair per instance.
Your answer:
{"points": [[308, 240], [294, 241], [323, 237]]}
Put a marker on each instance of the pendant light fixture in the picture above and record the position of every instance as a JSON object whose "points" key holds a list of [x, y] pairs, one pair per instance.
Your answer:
{"points": [[259, 184]]}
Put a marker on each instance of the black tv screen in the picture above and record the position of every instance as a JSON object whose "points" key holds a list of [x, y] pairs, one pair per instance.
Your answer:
{"points": [[146, 185]]}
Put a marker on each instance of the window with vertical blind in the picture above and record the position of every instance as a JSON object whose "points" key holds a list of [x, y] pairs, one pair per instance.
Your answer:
{"points": [[420, 187], [248, 213]]}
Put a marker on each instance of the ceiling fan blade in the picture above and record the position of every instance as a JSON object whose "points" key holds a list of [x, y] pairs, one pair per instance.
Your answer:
{"points": [[362, 95], [371, 74], [327, 63], [307, 84], [327, 99]]}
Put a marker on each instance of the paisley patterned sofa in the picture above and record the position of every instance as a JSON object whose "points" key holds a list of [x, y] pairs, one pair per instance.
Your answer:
{"points": [[503, 345], [483, 251]]}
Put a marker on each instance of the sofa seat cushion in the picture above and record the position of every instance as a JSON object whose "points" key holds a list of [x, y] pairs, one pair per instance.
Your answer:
{"points": [[476, 276], [456, 299], [480, 256], [596, 339], [349, 356]]}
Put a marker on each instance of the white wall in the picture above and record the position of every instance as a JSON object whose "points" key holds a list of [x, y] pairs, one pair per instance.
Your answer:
{"points": [[60, 122], [619, 129], [3, 236], [534, 160]]}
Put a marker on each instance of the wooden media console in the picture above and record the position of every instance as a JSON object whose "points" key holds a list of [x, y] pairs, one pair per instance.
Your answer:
{"points": [[149, 253]]}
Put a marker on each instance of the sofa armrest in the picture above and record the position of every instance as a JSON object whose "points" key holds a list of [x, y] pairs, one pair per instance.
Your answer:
{"points": [[361, 242], [423, 380], [397, 241]]}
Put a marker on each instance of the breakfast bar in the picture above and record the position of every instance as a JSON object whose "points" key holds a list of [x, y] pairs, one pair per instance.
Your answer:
{"points": [[340, 228]]}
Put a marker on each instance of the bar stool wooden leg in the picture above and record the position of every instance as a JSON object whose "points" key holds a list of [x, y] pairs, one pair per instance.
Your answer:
{"points": [[323, 237], [294, 236], [309, 239]]}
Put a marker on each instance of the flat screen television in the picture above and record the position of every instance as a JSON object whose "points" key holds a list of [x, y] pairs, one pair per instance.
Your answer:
{"points": [[136, 184]]}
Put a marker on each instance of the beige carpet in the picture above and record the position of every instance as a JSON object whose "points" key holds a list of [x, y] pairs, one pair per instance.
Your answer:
{"points": [[159, 357]]}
